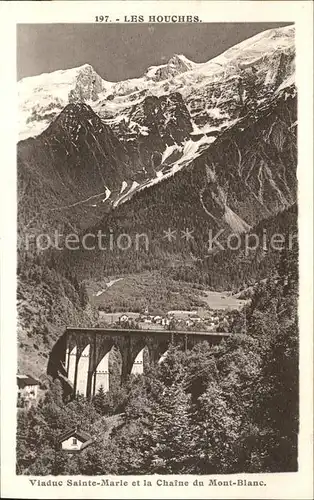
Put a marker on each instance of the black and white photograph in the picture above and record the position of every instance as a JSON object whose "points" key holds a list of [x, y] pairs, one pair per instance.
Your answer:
{"points": [[157, 251]]}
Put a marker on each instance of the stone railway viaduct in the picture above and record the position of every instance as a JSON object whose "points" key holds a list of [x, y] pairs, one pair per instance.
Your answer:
{"points": [[80, 356]]}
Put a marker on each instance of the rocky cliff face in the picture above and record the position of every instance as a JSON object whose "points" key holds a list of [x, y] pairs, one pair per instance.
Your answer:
{"points": [[41, 98], [153, 126], [176, 65], [88, 86], [248, 174], [63, 174]]}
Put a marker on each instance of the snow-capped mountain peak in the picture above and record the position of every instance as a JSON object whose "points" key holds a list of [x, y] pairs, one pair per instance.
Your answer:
{"points": [[42, 97], [108, 142], [181, 62], [176, 65], [208, 89]]}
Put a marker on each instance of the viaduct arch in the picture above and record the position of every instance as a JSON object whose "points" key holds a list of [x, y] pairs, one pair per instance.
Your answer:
{"points": [[80, 356]]}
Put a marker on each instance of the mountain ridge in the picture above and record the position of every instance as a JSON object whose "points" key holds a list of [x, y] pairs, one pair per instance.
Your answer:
{"points": [[103, 141], [54, 90], [88, 163]]}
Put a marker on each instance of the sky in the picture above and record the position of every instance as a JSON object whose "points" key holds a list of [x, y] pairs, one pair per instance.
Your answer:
{"points": [[120, 51]]}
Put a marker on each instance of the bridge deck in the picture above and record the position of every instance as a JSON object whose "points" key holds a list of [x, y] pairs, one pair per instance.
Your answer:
{"points": [[124, 331]]}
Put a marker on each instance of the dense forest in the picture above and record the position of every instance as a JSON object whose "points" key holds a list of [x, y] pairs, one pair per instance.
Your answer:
{"points": [[215, 409], [49, 298]]}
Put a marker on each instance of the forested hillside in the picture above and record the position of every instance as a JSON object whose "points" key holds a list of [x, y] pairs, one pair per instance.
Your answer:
{"points": [[48, 301], [52, 291], [190, 261]]}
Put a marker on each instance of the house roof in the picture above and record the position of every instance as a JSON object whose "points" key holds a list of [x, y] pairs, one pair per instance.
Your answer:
{"points": [[87, 443], [27, 380], [81, 435]]}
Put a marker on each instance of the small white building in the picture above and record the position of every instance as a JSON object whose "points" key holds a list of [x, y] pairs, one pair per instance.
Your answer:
{"points": [[27, 389], [196, 319], [157, 319], [124, 318], [189, 322], [74, 440]]}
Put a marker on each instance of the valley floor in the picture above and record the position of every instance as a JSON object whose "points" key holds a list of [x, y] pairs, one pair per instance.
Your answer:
{"points": [[186, 302]]}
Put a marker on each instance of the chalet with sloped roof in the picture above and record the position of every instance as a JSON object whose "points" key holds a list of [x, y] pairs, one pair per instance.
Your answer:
{"points": [[74, 440]]}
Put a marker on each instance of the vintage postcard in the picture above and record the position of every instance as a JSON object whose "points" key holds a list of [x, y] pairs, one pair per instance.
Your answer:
{"points": [[156, 300]]}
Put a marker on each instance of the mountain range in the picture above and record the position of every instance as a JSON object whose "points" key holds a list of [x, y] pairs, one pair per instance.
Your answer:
{"points": [[88, 145]]}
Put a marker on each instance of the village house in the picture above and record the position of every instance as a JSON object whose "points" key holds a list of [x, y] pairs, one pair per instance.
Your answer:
{"points": [[74, 440], [147, 319], [195, 318], [165, 321], [189, 322], [157, 319], [27, 389], [124, 318]]}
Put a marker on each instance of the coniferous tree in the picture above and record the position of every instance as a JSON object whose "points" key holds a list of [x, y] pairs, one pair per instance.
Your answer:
{"points": [[83, 295], [216, 429], [100, 401], [171, 433]]}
